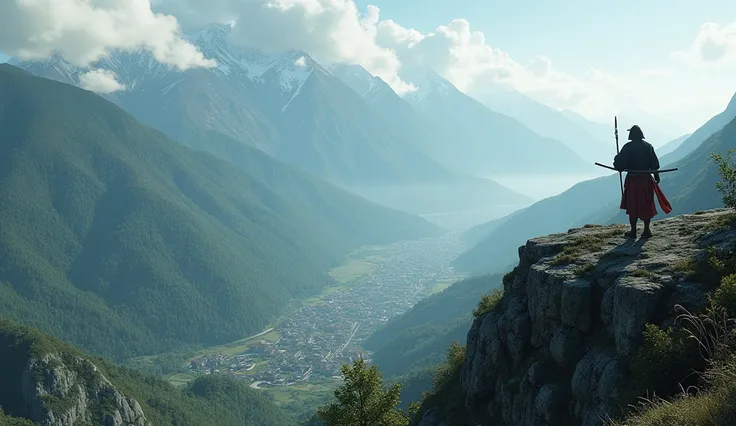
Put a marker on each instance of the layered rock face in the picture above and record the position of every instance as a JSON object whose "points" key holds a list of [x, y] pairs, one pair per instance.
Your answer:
{"points": [[65, 390], [556, 350]]}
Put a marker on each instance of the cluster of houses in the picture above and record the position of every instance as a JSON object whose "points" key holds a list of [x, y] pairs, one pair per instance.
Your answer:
{"points": [[316, 340]]}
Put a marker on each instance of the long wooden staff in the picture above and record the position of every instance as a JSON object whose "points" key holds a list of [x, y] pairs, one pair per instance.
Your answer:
{"points": [[615, 133]]}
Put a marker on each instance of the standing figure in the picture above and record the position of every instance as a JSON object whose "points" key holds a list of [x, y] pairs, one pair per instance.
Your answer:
{"points": [[638, 196]]}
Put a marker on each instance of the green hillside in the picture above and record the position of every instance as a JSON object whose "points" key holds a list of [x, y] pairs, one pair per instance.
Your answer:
{"points": [[209, 400], [121, 241]]}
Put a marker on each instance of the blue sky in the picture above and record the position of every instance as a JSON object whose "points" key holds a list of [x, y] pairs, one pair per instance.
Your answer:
{"points": [[622, 38]]}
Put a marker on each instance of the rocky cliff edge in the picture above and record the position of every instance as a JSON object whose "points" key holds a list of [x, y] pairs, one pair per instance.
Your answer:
{"points": [[556, 349], [52, 384]]}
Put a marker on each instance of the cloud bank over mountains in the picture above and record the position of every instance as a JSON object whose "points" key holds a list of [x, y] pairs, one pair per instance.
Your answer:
{"points": [[331, 31], [84, 31]]}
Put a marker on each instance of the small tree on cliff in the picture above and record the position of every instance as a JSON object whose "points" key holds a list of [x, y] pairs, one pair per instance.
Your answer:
{"points": [[727, 184], [363, 401]]}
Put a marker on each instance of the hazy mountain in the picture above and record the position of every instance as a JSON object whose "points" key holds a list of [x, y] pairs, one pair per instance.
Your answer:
{"points": [[672, 145], [657, 130], [704, 132], [457, 191], [155, 245], [689, 189], [469, 136], [545, 121], [46, 381], [289, 106]]}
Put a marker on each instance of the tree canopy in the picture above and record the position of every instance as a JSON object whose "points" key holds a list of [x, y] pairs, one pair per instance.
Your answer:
{"points": [[363, 400]]}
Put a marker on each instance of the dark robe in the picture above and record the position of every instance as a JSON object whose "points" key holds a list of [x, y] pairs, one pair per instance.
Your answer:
{"points": [[638, 197]]}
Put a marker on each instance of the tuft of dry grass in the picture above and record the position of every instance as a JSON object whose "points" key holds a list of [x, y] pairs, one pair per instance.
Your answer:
{"points": [[584, 269], [643, 273], [727, 220], [589, 243], [685, 268]]}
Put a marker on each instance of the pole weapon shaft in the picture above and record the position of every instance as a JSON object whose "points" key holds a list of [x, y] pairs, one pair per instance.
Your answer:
{"points": [[615, 133]]}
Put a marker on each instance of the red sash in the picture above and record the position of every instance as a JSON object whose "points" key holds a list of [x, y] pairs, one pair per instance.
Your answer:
{"points": [[663, 202]]}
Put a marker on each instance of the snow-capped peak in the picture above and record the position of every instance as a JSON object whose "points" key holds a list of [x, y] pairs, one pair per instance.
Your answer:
{"points": [[293, 68], [428, 83], [208, 35], [357, 78]]}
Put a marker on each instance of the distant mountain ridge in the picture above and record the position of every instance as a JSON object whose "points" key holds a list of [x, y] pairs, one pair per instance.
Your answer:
{"points": [[285, 104], [704, 132], [545, 121], [467, 135]]}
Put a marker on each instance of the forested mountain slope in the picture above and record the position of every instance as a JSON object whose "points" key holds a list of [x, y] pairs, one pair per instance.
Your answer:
{"points": [[119, 240]]}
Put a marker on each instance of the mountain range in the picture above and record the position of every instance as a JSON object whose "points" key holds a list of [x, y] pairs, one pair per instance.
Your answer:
{"points": [[467, 135], [430, 151], [689, 189], [290, 107], [547, 121], [657, 130], [156, 245]]}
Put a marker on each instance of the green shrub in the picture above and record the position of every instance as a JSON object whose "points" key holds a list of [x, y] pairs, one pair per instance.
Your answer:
{"points": [[727, 170], [664, 360], [725, 295], [449, 369], [488, 302]]}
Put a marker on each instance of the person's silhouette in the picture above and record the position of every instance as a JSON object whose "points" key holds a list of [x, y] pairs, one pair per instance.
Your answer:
{"points": [[638, 196]]}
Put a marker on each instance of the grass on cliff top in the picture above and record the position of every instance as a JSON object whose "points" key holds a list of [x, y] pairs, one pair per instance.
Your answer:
{"points": [[727, 220], [587, 243], [709, 269]]}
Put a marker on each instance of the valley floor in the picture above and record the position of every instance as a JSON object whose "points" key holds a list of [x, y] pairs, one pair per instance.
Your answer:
{"points": [[297, 360]]}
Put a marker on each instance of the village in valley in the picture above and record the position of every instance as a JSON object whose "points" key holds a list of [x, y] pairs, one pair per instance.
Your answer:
{"points": [[314, 340]]}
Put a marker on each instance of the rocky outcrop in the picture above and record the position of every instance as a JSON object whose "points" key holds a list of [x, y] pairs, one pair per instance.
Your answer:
{"points": [[556, 350], [61, 389]]}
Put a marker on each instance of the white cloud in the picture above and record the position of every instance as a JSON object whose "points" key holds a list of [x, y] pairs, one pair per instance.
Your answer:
{"points": [[84, 31], [100, 81], [655, 72], [713, 45], [302, 61], [336, 31], [329, 30], [465, 58]]}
